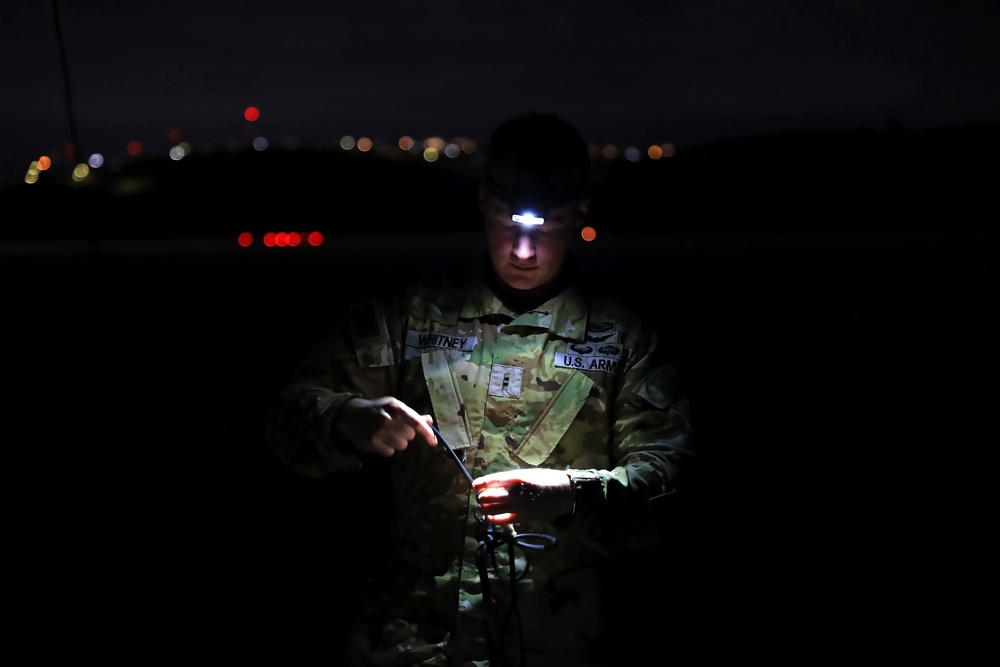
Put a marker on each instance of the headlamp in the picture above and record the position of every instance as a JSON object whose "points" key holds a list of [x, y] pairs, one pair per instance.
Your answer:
{"points": [[527, 219]]}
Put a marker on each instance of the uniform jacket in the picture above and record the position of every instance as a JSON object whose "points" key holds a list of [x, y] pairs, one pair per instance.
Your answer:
{"points": [[577, 384]]}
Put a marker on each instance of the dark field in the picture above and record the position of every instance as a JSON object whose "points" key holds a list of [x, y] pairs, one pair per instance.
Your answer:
{"points": [[843, 383]]}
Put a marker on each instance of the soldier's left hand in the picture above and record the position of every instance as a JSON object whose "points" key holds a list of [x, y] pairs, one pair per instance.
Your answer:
{"points": [[532, 494]]}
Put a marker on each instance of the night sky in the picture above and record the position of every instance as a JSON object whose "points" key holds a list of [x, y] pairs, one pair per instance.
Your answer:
{"points": [[632, 73]]}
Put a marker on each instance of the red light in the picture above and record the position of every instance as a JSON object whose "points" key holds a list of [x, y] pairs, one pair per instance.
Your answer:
{"points": [[251, 113], [281, 239], [315, 239], [245, 239], [134, 147], [294, 238], [174, 135], [269, 239]]}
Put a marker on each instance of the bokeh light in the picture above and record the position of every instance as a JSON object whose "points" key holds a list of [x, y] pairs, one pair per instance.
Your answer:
{"points": [[431, 154], [251, 114], [406, 142], [245, 239], [315, 239], [364, 144], [588, 233], [347, 142], [134, 148]]}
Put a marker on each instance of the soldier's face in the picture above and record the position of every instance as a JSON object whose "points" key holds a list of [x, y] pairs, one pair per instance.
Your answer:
{"points": [[527, 257]]}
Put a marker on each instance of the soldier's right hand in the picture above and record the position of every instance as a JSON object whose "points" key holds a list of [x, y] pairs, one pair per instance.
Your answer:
{"points": [[383, 425]]}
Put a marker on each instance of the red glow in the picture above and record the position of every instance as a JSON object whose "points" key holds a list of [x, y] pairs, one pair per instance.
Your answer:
{"points": [[281, 239], [174, 135], [134, 147], [294, 239], [315, 239], [588, 233], [269, 239], [44, 163], [245, 239], [251, 113]]}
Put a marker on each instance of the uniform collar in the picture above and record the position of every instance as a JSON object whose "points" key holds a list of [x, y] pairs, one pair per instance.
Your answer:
{"points": [[563, 315]]}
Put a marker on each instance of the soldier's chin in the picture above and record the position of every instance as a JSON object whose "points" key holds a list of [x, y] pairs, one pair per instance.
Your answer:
{"points": [[522, 281]]}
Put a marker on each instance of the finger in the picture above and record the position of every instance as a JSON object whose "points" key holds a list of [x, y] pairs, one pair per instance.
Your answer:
{"points": [[429, 435], [493, 480], [419, 423]]}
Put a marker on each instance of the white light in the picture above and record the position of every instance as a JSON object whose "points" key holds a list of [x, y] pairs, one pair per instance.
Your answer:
{"points": [[527, 219]]}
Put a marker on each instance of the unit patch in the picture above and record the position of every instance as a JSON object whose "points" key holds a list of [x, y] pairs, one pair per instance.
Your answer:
{"points": [[602, 357], [505, 381]]}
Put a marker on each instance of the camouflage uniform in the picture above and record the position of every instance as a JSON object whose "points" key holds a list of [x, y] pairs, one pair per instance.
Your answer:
{"points": [[576, 384]]}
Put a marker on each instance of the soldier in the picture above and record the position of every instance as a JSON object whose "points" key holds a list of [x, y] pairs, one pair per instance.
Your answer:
{"points": [[531, 427]]}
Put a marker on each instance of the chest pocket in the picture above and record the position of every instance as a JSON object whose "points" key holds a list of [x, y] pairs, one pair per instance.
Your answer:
{"points": [[555, 420]]}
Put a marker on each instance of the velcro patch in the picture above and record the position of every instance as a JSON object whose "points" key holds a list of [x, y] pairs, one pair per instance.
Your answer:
{"points": [[601, 357], [602, 332], [505, 381], [418, 341]]}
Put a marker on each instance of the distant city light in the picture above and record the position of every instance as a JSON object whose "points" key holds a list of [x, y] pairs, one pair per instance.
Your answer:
{"points": [[44, 163], [654, 152], [668, 150], [431, 154], [632, 154], [406, 143], [260, 144], [96, 160], [31, 176], [81, 172], [364, 144], [347, 142], [588, 233], [452, 150], [251, 114], [134, 148], [282, 239], [174, 135]]}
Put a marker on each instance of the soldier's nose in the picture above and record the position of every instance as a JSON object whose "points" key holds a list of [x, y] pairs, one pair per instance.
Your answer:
{"points": [[524, 248]]}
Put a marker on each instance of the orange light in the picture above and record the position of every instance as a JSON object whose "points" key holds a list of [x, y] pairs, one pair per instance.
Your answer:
{"points": [[655, 152], [251, 113], [44, 163], [588, 233], [245, 239]]}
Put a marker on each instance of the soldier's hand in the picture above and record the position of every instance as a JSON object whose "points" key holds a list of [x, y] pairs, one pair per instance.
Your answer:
{"points": [[383, 425], [532, 494]]}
